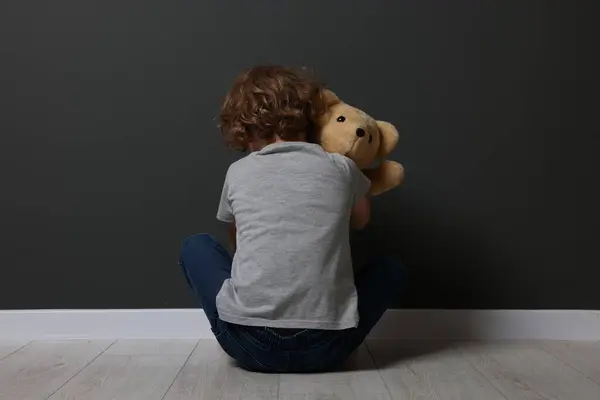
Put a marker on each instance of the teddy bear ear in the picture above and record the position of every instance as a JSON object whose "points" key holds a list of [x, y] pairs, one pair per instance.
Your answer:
{"points": [[389, 138], [330, 97]]}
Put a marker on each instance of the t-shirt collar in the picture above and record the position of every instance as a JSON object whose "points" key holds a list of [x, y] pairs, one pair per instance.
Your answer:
{"points": [[287, 146]]}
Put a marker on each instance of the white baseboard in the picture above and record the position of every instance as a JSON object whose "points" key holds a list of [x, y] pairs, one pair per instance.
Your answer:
{"points": [[396, 324]]}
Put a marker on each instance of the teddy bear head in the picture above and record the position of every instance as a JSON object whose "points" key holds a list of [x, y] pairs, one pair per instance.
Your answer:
{"points": [[352, 132]]}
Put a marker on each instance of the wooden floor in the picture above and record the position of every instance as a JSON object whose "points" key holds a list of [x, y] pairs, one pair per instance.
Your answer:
{"points": [[186, 370]]}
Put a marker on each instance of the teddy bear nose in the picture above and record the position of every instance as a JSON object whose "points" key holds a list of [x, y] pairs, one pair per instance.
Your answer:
{"points": [[360, 132]]}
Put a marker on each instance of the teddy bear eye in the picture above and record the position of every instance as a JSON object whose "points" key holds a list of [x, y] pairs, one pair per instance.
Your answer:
{"points": [[341, 118]]}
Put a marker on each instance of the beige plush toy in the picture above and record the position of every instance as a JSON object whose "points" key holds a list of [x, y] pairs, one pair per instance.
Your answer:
{"points": [[349, 131]]}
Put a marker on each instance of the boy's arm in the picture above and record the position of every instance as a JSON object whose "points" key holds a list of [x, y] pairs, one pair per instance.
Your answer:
{"points": [[232, 234], [225, 214], [361, 214]]}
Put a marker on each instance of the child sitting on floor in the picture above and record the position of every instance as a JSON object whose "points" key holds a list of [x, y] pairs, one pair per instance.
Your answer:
{"points": [[287, 300]]}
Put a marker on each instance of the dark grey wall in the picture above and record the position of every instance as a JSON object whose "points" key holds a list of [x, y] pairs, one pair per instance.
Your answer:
{"points": [[110, 155]]}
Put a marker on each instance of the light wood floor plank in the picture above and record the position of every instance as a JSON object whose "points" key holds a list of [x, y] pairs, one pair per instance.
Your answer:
{"points": [[9, 347], [150, 347], [210, 374], [130, 370], [583, 356], [422, 370], [36, 371], [359, 380], [525, 371]]}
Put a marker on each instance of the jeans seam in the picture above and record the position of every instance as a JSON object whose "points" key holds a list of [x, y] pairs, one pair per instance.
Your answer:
{"points": [[218, 335], [280, 337], [216, 322], [254, 341]]}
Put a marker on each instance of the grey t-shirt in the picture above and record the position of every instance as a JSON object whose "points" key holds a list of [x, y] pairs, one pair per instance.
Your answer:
{"points": [[291, 203]]}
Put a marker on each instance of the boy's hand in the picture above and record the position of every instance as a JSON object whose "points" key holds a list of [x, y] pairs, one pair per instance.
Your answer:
{"points": [[232, 234], [361, 214]]}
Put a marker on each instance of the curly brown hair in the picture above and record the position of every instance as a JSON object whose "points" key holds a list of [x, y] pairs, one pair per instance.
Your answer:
{"points": [[270, 101]]}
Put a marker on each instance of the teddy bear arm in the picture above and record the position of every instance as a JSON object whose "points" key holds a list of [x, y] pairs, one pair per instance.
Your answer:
{"points": [[386, 176]]}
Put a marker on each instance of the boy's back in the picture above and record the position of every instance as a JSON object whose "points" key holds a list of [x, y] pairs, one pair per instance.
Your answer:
{"points": [[292, 267], [291, 205]]}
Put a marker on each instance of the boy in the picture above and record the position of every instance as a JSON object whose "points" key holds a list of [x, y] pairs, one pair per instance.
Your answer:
{"points": [[287, 300]]}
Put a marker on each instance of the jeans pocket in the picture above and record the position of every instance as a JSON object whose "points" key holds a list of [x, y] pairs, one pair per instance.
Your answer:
{"points": [[260, 338], [246, 354]]}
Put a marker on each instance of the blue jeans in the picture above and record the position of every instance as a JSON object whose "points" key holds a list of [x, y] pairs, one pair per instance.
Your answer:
{"points": [[206, 264]]}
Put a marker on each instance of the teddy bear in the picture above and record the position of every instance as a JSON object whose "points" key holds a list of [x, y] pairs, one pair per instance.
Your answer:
{"points": [[346, 130]]}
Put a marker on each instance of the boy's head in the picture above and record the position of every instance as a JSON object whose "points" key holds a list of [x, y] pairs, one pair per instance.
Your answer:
{"points": [[270, 103]]}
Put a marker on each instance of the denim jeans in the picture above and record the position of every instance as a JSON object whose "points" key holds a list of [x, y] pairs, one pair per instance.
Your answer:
{"points": [[206, 264]]}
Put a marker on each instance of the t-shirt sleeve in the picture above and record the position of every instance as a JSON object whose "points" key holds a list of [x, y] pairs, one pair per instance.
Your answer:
{"points": [[360, 183], [224, 212]]}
